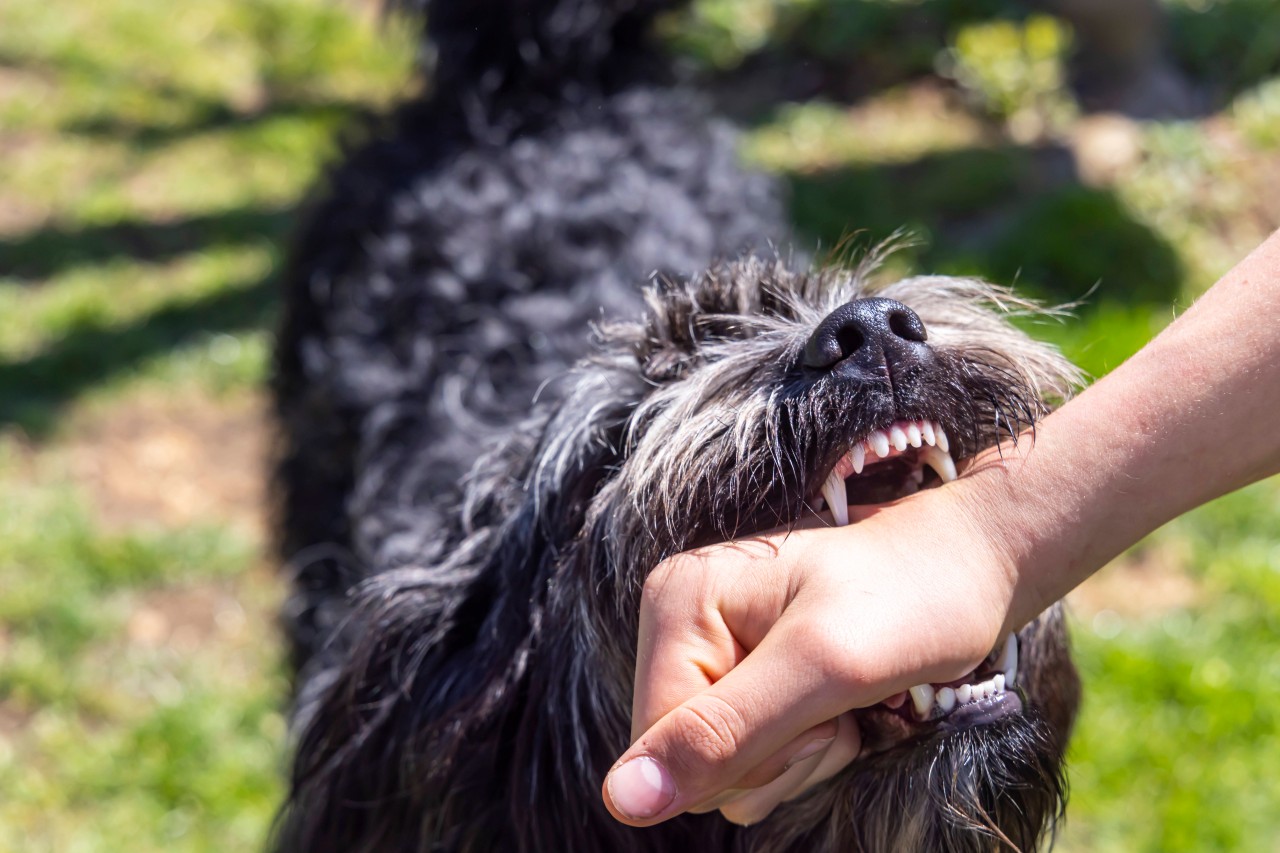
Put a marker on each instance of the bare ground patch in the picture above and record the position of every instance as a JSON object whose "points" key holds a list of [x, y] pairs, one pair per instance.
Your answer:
{"points": [[187, 617], [174, 461], [1143, 584]]}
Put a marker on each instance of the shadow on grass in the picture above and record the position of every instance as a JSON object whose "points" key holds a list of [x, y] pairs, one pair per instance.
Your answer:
{"points": [[209, 116], [47, 251], [1008, 214], [34, 390]]}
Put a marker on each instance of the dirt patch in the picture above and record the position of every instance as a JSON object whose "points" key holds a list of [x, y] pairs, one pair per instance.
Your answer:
{"points": [[1140, 585], [185, 618], [1106, 147], [174, 462], [13, 720], [13, 716]]}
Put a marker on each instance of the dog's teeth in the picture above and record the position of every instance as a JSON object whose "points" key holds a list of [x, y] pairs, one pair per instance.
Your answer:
{"points": [[914, 436], [837, 497], [946, 699], [917, 476], [879, 442], [940, 461], [897, 438], [1009, 660], [941, 435], [857, 457], [964, 693], [922, 699], [926, 431], [997, 682]]}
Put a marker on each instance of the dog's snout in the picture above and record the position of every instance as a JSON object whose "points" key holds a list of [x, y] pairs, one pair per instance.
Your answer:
{"points": [[873, 334]]}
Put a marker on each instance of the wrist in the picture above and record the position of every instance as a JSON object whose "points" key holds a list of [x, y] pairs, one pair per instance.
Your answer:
{"points": [[1008, 515]]}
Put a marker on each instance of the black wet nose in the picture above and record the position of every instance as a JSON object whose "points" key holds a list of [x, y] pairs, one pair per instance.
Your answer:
{"points": [[870, 333]]}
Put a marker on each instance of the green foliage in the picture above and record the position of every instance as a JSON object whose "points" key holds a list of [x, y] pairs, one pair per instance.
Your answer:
{"points": [[1231, 43], [879, 42], [921, 196], [1063, 244], [720, 34], [1016, 71], [1257, 114], [891, 40]]}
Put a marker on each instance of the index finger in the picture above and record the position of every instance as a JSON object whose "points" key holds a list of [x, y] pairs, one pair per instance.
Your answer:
{"points": [[746, 720], [685, 641]]}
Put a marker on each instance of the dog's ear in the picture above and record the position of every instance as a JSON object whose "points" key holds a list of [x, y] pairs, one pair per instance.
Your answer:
{"points": [[728, 301]]}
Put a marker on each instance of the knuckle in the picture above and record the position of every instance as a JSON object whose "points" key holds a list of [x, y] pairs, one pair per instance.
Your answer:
{"points": [[679, 596], [708, 732], [672, 571]]}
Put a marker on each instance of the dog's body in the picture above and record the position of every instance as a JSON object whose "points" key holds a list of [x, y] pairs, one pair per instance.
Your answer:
{"points": [[469, 561]]}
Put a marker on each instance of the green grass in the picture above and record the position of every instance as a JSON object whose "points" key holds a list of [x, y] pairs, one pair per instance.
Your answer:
{"points": [[1177, 746], [154, 155], [153, 158]]}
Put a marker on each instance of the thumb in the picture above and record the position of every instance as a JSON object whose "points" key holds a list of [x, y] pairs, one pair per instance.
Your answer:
{"points": [[776, 707]]}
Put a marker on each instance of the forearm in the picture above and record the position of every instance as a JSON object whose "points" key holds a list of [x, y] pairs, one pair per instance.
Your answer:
{"points": [[1194, 415]]}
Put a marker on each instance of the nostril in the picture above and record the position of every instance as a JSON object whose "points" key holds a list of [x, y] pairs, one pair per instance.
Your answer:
{"points": [[906, 325], [850, 338], [868, 331]]}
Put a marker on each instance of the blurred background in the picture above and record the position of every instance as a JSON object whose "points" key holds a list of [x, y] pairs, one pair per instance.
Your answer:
{"points": [[152, 157]]}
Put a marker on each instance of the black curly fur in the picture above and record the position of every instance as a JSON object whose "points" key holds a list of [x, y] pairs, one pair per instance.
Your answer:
{"points": [[469, 522], [452, 269]]}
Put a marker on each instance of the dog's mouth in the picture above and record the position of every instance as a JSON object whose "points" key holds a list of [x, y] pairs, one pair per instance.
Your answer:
{"points": [[888, 464], [885, 465], [987, 694]]}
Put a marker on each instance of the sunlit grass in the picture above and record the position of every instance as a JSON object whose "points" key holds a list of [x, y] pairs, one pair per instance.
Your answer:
{"points": [[153, 155]]}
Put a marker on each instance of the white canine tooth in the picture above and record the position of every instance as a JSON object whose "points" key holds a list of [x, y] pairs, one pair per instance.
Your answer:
{"points": [[946, 699], [914, 436], [879, 442], [997, 681], [922, 699], [940, 461], [981, 690], [941, 435], [1009, 660], [897, 438], [964, 693], [837, 497], [926, 430], [857, 457]]}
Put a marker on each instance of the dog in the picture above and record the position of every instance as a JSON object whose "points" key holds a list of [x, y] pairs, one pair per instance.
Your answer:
{"points": [[491, 433]]}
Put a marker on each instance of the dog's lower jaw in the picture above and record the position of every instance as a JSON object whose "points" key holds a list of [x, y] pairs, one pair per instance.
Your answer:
{"points": [[999, 787], [994, 787]]}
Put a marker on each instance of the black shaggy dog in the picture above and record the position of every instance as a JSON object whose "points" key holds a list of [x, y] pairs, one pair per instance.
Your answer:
{"points": [[470, 517]]}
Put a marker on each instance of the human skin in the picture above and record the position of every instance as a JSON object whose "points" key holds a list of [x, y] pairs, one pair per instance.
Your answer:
{"points": [[751, 652]]}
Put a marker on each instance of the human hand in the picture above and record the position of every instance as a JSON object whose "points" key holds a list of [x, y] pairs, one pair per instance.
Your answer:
{"points": [[752, 653]]}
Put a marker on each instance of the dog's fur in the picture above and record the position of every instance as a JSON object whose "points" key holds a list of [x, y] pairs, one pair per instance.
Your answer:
{"points": [[469, 561]]}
